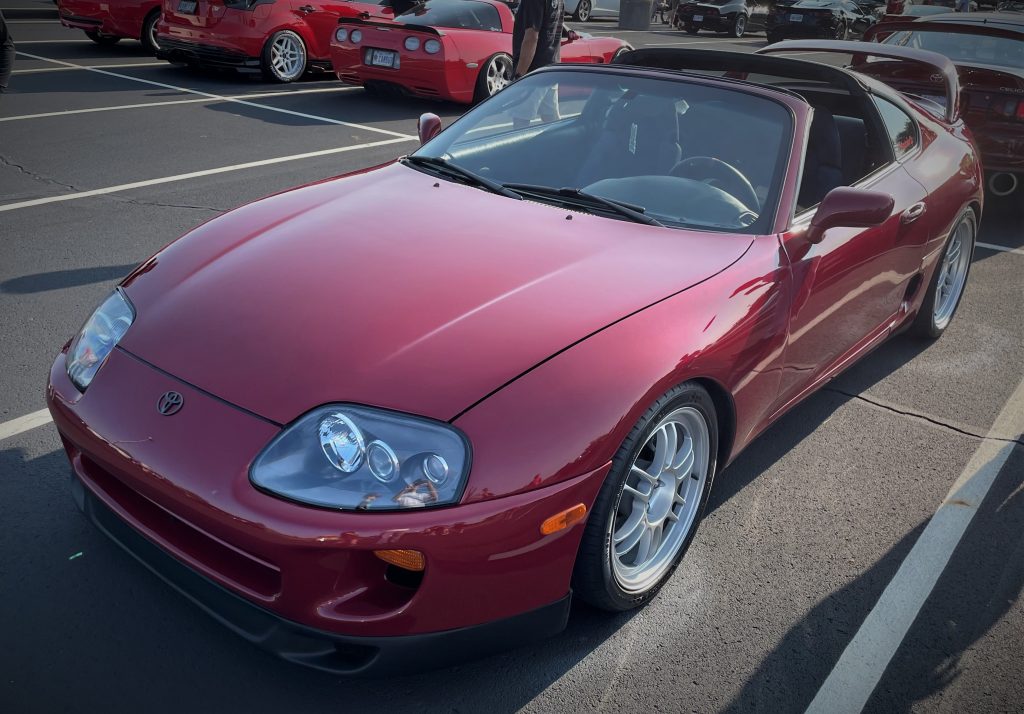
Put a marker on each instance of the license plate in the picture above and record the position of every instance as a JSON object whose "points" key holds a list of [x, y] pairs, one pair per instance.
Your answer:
{"points": [[698, 18], [382, 58], [187, 6], [796, 18]]}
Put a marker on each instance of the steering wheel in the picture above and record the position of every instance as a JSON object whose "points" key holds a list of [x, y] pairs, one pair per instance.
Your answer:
{"points": [[719, 174]]}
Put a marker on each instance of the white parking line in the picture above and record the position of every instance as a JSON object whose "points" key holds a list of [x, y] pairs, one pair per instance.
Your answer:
{"points": [[24, 423], [39, 70], [222, 97], [144, 105], [1000, 248], [864, 661], [194, 174]]}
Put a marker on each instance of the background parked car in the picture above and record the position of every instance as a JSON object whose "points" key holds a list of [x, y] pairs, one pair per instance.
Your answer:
{"points": [[282, 39], [107, 23], [833, 19], [734, 17], [584, 10]]}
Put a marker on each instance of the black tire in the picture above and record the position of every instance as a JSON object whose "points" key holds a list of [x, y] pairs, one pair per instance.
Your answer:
{"points": [[692, 29], [584, 11], [739, 27], [592, 578], [270, 70], [148, 36], [842, 31], [102, 40], [924, 325]]}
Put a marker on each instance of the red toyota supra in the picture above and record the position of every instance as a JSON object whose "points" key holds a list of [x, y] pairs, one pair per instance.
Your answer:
{"points": [[279, 38], [372, 439], [458, 50], [988, 50]]}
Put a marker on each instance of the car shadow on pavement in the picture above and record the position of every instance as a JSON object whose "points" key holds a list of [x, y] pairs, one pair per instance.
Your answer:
{"points": [[982, 581], [59, 279]]}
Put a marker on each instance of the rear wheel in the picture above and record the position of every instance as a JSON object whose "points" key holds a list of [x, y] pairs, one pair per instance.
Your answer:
{"points": [[773, 37], [583, 11], [842, 31], [284, 57], [495, 75], [648, 509], [740, 26], [104, 40], [947, 284], [148, 37], [692, 29]]}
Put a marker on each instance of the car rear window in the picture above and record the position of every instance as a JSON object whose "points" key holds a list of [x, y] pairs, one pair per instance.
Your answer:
{"points": [[461, 14], [964, 47]]}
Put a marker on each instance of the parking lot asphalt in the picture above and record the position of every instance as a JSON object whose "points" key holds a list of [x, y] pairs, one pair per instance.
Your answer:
{"points": [[814, 538]]}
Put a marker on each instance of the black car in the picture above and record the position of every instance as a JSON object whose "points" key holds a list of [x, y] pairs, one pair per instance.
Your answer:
{"points": [[832, 19], [734, 17]]}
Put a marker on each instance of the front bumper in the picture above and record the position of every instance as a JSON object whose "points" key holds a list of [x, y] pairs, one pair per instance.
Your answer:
{"points": [[307, 577], [321, 650], [205, 55]]}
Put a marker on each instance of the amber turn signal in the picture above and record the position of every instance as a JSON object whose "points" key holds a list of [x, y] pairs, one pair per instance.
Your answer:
{"points": [[561, 521], [407, 559]]}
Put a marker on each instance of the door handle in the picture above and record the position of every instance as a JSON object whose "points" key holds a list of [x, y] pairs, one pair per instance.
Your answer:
{"points": [[307, 9], [913, 213]]}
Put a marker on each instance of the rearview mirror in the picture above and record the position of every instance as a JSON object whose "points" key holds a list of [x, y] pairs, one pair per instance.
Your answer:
{"points": [[428, 127], [847, 207]]}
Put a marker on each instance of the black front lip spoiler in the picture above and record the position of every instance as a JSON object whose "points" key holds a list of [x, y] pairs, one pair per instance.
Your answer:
{"points": [[326, 651]]}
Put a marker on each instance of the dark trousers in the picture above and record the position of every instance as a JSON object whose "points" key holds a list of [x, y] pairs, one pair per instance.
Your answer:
{"points": [[6, 53]]}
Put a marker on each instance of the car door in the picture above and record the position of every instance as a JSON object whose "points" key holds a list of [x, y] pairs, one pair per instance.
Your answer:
{"points": [[849, 288]]}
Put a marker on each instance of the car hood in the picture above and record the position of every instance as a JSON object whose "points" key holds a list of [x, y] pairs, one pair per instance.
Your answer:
{"points": [[394, 288]]}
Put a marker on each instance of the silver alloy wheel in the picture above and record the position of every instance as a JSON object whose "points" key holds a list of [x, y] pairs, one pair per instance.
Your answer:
{"points": [[151, 32], [660, 499], [740, 26], [499, 74], [583, 10], [953, 271], [288, 56]]}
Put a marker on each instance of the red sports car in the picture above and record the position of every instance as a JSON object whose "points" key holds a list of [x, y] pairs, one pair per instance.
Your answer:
{"points": [[107, 23], [459, 50], [988, 49], [280, 38], [368, 438]]}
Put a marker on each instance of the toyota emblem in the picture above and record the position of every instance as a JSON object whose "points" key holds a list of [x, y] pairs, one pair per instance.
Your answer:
{"points": [[170, 403]]}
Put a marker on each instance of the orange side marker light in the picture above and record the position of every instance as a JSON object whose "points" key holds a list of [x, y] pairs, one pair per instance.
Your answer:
{"points": [[407, 559], [561, 521]]}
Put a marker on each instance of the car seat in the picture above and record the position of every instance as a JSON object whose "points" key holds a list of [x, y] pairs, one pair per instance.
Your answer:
{"points": [[823, 162]]}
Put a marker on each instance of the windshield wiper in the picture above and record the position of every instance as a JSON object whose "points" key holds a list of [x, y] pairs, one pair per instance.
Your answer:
{"points": [[446, 167], [579, 196]]}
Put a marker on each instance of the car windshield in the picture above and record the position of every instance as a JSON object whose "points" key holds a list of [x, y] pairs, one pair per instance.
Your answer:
{"points": [[964, 47], [683, 153], [461, 14]]}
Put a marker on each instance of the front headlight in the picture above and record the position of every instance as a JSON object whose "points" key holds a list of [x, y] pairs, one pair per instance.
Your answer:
{"points": [[362, 458], [98, 337]]}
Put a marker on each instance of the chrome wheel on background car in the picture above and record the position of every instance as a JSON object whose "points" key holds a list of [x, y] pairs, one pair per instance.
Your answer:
{"points": [[650, 504], [660, 500], [583, 11], [148, 37], [284, 57], [950, 278], [495, 76], [740, 26]]}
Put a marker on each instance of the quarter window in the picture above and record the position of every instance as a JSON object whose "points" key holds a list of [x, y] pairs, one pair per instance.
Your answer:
{"points": [[899, 126]]}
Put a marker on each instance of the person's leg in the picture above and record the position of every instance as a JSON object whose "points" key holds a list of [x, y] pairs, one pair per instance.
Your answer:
{"points": [[6, 53]]}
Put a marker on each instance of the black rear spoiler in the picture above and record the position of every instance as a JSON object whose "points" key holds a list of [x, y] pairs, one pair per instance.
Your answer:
{"points": [[362, 22], [941, 65]]}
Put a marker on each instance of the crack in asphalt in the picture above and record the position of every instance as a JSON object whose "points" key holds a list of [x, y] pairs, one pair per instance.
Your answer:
{"points": [[33, 175], [924, 417]]}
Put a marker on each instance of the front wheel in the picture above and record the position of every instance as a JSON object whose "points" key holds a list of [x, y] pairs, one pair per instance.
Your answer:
{"points": [[284, 57], [648, 509], [148, 37], [102, 40], [495, 75], [739, 27], [950, 278], [583, 11]]}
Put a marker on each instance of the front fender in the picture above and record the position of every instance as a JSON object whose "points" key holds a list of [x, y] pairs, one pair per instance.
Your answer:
{"points": [[568, 415]]}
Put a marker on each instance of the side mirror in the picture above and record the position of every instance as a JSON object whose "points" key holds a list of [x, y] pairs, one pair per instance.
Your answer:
{"points": [[846, 207], [428, 127]]}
